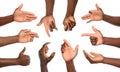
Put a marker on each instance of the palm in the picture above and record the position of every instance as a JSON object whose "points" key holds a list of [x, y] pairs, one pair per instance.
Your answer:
{"points": [[23, 16], [97, 58], [69, 54], [49, 23]]}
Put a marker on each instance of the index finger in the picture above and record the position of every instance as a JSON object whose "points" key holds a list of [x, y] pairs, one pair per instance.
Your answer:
{"points": [[87, 34], [87, 16]]}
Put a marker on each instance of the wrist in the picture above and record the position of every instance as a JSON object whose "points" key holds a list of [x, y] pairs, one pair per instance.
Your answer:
{"points": [[16, 38], [104, 40]]}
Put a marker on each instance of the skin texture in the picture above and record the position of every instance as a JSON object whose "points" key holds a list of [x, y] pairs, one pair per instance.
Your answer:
{"points": [[48, 20], [23, 37], [44, 59], [22, 60], [18, 16], [68, 55], [69, 20], [98, 58], [97, 15], [98, 39]]}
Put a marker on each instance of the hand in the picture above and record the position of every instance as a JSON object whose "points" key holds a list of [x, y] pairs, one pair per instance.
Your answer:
{"points": [[69, 23], [94, 15], [26, 36], [23, 16], [67, 52], [95, 58], [49, 24], [42, 54], [23, 59], [96, 38]]}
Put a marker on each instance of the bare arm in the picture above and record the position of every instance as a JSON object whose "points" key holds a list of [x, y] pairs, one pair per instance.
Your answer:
{"points": [[70, 66], [112, 61], [71, 7], [94, 58], [69, 20], [68, 55], [6, 20], [44, 59], [8, 40], [23, 37], [49, 7], [21, 60], [112, 20], [111, 41]]}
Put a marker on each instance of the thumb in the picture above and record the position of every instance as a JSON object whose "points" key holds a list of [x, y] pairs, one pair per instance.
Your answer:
{"points": [[94, 29], [39, 23], [20, 7], [76, 49], [97, 7], [22, 52]]}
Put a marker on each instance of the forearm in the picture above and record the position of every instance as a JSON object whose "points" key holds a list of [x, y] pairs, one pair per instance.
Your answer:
{"points": [[8, 40], [111, 41], [112, 20], [8, 62], [70, 66], [6, 19], [44, 68], [71, 7], [112, 61], [49, 7]]}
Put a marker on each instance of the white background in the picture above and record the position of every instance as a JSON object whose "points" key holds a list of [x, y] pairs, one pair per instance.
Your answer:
{"points": [[110, 7]]}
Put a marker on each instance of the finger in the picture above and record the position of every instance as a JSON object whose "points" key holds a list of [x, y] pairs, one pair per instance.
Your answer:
{"points": [[54, 25], [93, 40], [97, 7], [66, 42], [51, 57], [69, 27], [40, 23], [87, 34], [28, 13], [87, 56], [94, 29], [76, 49], [87, 16], [65, 27], [31, 17], [22, 52], [47, 29], [28, 20], [51, 27], [45, 45], [25, 30], [20, 7], [72, 25], [93, 53], [89, 21], [34, 35]]}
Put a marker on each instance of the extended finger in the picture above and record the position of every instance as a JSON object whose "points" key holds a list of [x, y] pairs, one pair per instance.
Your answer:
{"points": [[66, 43], [89, 21], [93, 53], [51, 57], [47, 30], [22, 52], [89, 58], [76, 49], [87, 16], [87, 34], [94, 29]]}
